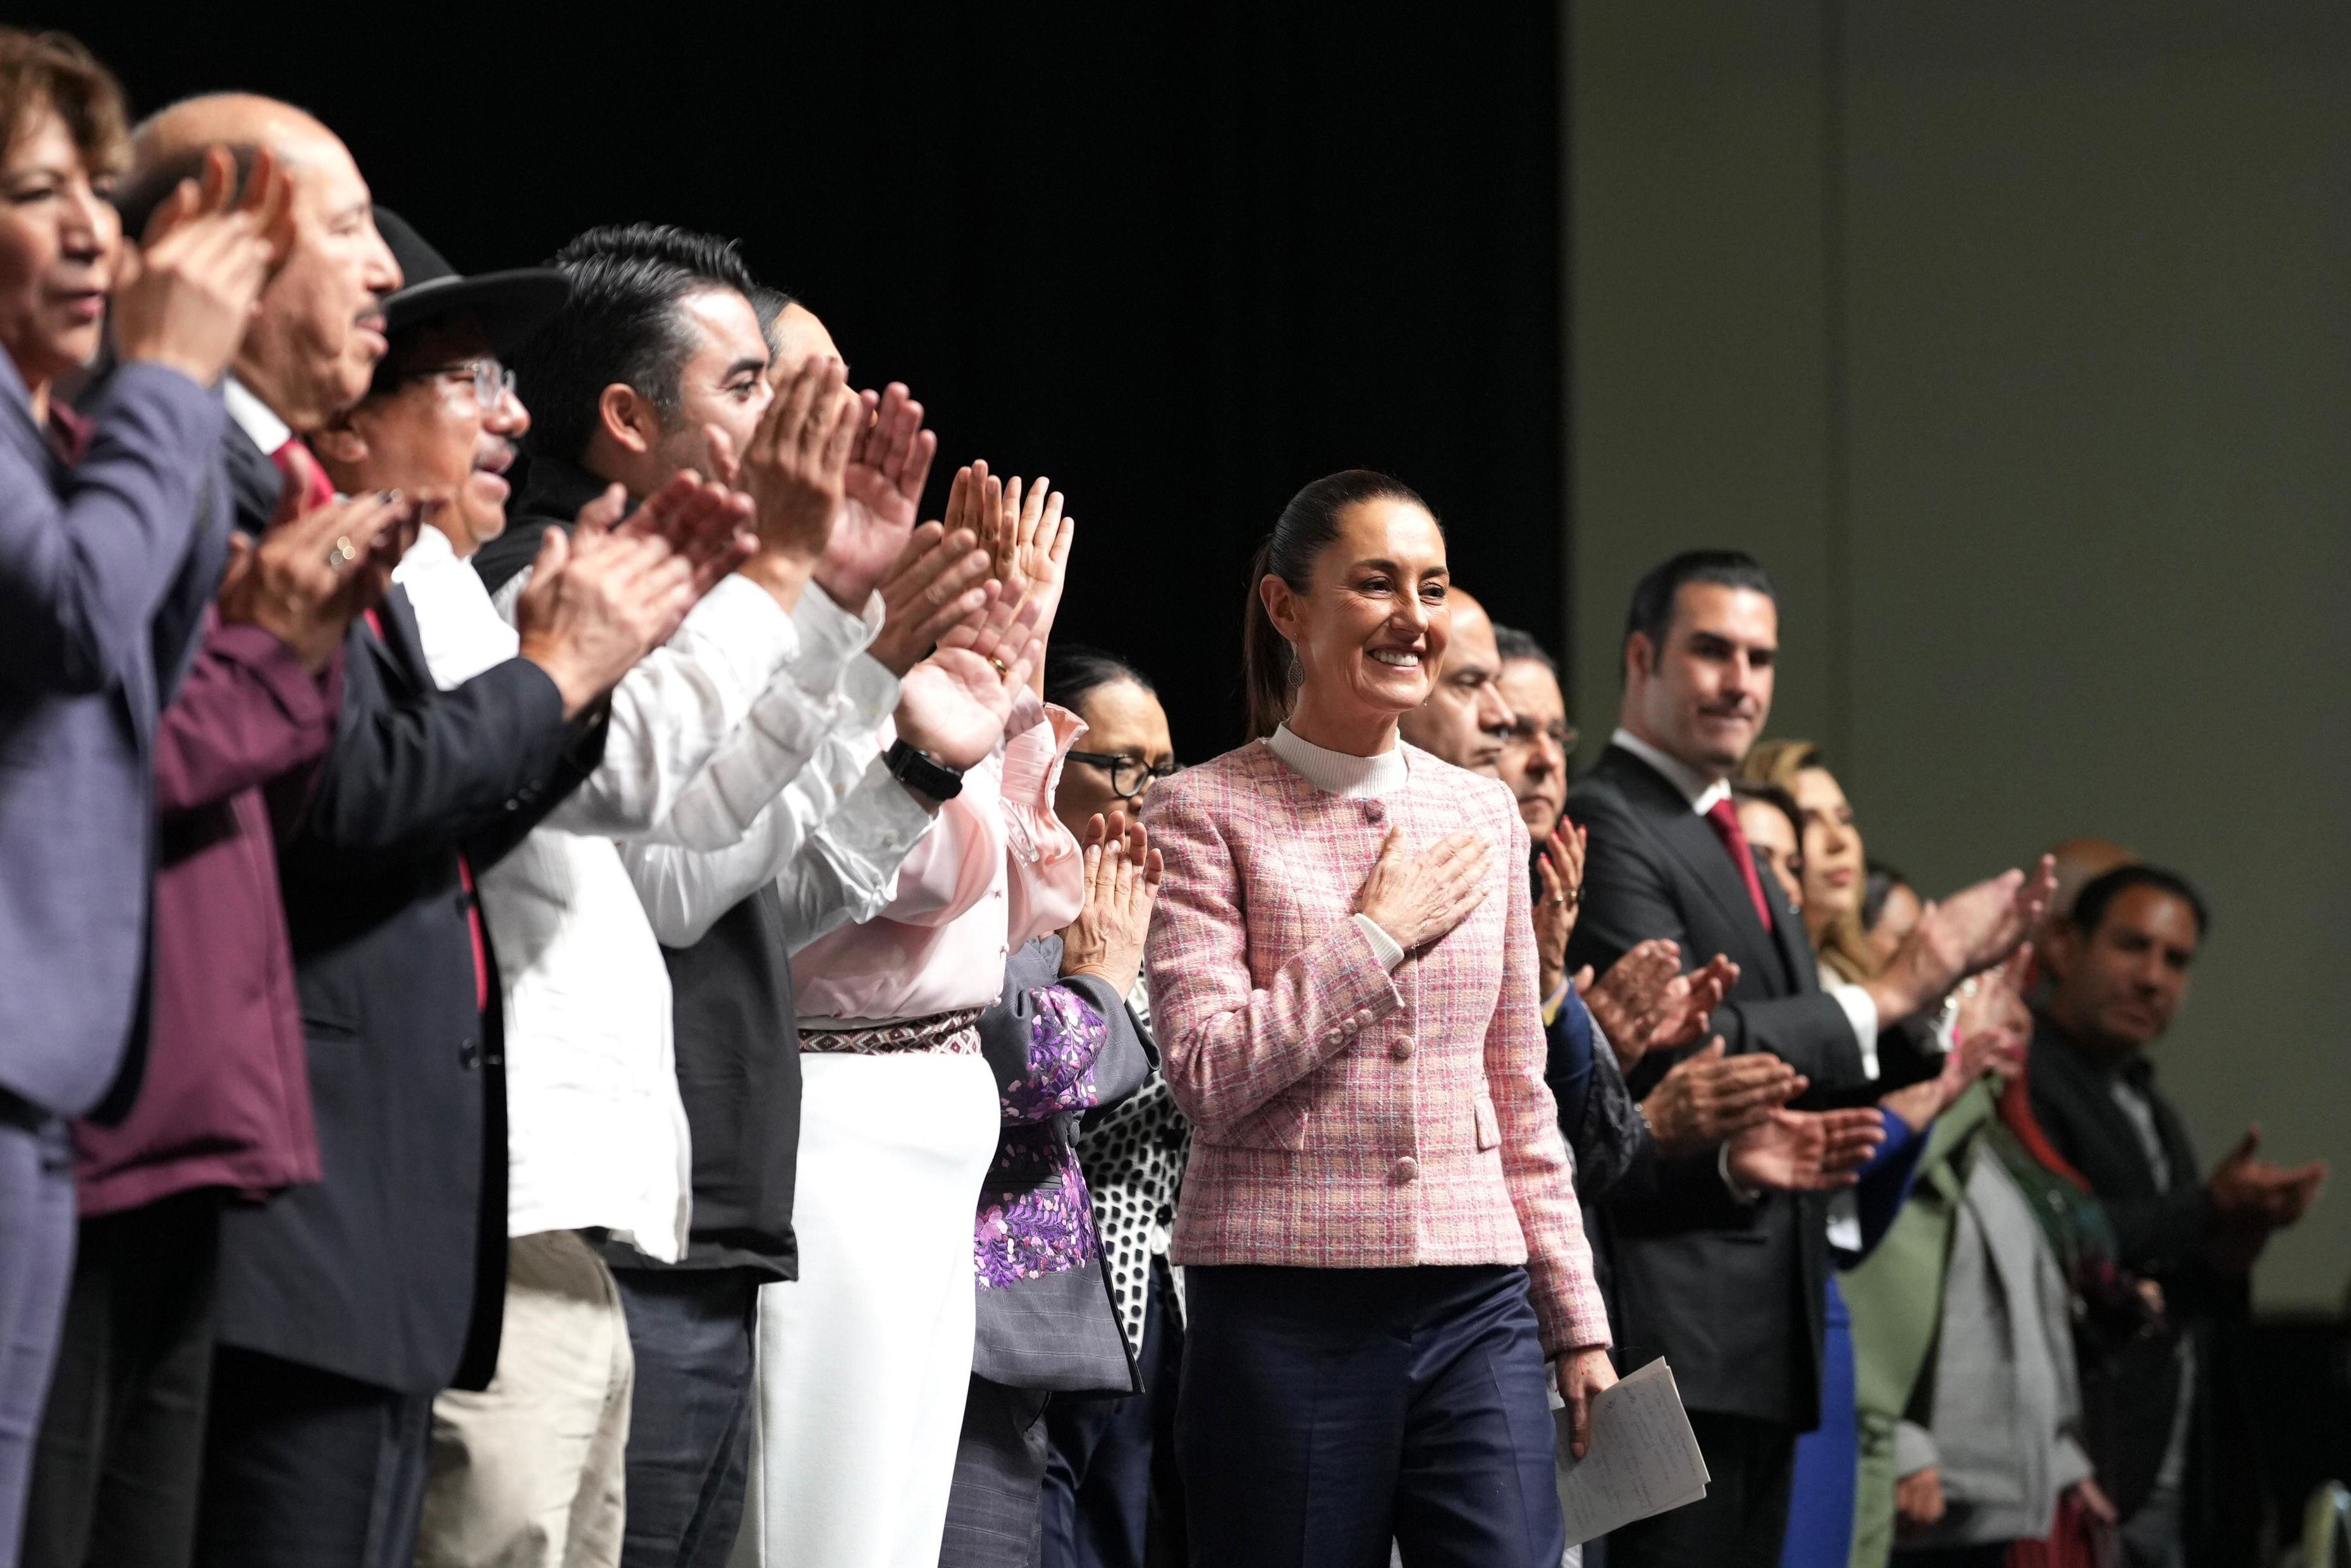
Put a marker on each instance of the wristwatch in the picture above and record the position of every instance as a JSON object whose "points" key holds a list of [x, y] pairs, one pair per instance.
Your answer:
{"points": [[921, 773]]}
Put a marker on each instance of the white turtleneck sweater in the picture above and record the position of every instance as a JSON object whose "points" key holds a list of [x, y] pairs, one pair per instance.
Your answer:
{"points": [[1350, 777]]}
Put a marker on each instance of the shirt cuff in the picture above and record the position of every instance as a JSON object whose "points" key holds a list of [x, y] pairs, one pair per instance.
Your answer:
{"points": [[830, 636], [879, 822], [1860, 1012], [1384, 947], [1033, 753], [1730, 1182]]}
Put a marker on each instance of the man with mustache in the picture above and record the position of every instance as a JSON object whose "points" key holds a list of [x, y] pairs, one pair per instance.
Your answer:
{"points": [[345, 1305], [2164, 1426], [1729, 1289]]}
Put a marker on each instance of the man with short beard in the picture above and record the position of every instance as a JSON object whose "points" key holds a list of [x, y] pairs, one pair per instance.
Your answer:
{"points": [[656, 367], [345, 1305]]}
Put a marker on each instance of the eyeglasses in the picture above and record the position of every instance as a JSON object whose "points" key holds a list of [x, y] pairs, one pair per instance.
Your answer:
{"points": [[1129, 776], [492, 381], [1525, 730]]}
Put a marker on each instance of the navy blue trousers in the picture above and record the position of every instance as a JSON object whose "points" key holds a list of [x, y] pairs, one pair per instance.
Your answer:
{"points": [[1325, 1412], [1113, 1498], [691, 1417]]}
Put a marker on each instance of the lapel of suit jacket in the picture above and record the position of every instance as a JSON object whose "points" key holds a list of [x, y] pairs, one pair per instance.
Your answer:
{"points": [[403, 643], [1789, 936], [1691, 840], [2086, 1091], [255, 484]]}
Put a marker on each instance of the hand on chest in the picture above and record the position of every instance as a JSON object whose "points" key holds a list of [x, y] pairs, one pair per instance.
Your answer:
{"points": [[1308, 877]]}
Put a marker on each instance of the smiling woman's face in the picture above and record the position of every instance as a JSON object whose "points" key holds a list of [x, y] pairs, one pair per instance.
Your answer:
{"points": [[1835, 867], [1371, 627], [60, 243]]}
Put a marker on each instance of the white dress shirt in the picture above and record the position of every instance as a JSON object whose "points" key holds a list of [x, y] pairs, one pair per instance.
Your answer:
{"points": [[802, 762], [1702, 793], [596, 1132], [255, 418]]}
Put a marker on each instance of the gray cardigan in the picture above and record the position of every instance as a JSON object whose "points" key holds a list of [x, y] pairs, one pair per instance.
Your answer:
{"points": [[2001, 1416]]}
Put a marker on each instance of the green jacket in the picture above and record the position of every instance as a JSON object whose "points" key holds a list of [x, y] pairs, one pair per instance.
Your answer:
{"points": [[1896, 1297]]}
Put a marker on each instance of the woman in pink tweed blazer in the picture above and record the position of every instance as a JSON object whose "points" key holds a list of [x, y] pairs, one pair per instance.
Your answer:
{"points": [[1379, 1219]]}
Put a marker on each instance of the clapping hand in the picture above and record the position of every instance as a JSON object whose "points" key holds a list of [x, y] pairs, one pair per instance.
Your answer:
{"points": [[1806, 1151], [952, 706], [795, 470], [313, 573], [1963, 934], [937, 584], [703, 521], [889, 463], [1709, 1097], [184, 294], [1558, 866], [1645, 1002], [1122, 873], [2250, 1197], [591, 610]]}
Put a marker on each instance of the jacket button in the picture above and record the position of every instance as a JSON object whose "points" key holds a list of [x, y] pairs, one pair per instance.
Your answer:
{"points": [[1402, 1049], [1374, 812], [469, 1054], [1407, 1169]]}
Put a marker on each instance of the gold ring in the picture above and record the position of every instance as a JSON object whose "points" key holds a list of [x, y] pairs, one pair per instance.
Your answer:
{"points": [[1001, 667], [343, 554]]}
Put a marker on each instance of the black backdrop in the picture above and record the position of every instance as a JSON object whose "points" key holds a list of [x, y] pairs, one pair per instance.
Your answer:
{"points": [[1183, 264]]}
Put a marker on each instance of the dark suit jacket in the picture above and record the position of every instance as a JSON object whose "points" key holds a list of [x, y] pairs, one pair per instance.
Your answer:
{"points": [[1731, 1294], [2130, 1391], [391, 1269], [106, 567]]}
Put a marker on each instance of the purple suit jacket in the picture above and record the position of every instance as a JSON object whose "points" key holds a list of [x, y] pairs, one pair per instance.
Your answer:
{"points": [[105, 568], [227, 1097]]}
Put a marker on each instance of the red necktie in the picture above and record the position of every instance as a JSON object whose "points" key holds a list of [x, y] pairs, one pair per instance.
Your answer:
{"points": [[1724, 817], [464, 877], [303, 475]]}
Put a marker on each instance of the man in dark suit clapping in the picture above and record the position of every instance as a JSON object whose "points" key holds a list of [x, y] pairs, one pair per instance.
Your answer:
{"points": [[1726, 1285]]}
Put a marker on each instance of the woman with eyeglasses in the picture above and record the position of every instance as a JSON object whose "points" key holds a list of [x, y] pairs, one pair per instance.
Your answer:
{"points": [[1379, 1228], [1105, 1470]]}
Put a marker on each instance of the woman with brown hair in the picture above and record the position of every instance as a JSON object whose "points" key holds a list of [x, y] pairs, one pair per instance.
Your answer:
{"points": [[1378, 1225], [106, 567]]}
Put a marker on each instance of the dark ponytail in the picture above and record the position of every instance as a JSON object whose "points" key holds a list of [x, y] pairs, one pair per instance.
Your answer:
{"points": [[1301, 535]]}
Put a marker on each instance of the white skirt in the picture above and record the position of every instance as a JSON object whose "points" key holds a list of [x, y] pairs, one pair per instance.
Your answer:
{"points": [[865, 1358]]}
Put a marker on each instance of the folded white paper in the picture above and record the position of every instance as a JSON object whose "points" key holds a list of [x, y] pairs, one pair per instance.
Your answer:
{"points": [[1644, 1458]]}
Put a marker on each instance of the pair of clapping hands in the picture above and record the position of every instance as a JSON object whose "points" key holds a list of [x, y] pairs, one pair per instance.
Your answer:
{"points": [[1644, 1003], [835, 479], [599, 599]]}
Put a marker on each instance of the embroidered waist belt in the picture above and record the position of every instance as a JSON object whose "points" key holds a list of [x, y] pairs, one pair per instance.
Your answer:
{"points": [[941, 1034]]}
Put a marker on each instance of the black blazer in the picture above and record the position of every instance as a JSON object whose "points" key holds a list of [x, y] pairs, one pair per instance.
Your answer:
{"points": [[2130, 1392], [391, 1269], [1731, 1294]]}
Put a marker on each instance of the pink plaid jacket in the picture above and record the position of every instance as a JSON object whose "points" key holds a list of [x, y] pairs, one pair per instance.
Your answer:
{"points": [[1343, 1118]]}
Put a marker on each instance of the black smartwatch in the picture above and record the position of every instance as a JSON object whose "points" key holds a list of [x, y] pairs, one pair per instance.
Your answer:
{"points": [[921, 774]]}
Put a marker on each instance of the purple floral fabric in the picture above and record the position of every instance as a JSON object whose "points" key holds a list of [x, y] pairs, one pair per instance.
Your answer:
{"points": [[1035, 1216]]}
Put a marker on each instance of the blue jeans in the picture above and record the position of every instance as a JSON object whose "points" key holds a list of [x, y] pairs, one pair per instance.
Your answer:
{"points": [[690, 1424]]}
